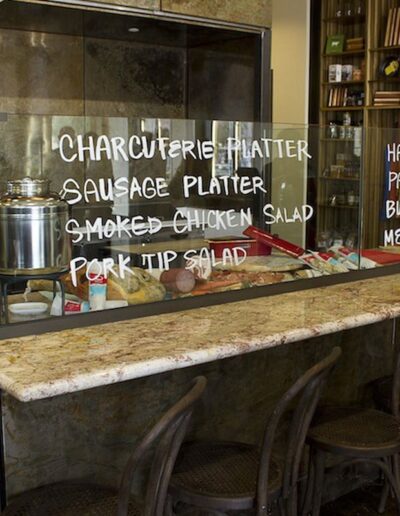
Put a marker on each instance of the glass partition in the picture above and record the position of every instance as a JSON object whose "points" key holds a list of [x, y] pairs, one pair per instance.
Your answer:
{"points": [[155, 210]]}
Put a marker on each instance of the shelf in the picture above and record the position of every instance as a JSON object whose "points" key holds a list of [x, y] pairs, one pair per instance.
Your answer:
{"points": [[346, 53], [384, 49], [340, 206], [346, 20], [386, 79], [338, 140], [377, 108], [348, 108], [348, 179], [344, 83]]}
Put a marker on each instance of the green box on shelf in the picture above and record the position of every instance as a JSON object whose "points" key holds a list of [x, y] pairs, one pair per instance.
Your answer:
{"points": [[335, 44]]}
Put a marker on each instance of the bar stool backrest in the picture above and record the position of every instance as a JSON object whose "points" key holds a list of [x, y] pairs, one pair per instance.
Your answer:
{"points": [[169, 433], [308, 390]]}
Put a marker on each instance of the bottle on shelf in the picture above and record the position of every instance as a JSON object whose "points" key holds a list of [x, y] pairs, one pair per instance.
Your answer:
{"points": [[358, 134], [339, 9], [347, 118], [359, 8], [348, 9]]}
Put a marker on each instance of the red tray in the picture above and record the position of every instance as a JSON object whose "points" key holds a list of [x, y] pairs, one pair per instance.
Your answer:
{"points": [[252, 247]]}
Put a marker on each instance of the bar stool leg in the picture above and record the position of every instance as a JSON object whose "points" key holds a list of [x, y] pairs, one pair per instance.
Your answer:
{"points": [[394, 465], [319, 472], [384, 497], [168, 508], [281, 507], [396, 470], [309, 488]]}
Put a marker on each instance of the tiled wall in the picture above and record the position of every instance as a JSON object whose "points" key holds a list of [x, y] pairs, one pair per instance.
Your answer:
{"points": [[41, 73], [136, 79], [52, 78], [257, 12], [229, 70], [54, 74]]}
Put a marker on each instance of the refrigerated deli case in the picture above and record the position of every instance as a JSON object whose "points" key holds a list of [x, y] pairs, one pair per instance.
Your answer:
{"points": [[180, 192]]}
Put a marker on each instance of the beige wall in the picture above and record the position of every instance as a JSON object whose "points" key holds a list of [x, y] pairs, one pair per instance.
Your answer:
{"points": [[290, 63], [290, 60]]}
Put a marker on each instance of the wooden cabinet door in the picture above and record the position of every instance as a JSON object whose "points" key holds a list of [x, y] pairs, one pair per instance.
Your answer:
{"points": [[256, 12]]}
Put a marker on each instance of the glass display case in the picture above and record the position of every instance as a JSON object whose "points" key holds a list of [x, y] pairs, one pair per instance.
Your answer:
{"points": [[148, 221], [139, 173]]}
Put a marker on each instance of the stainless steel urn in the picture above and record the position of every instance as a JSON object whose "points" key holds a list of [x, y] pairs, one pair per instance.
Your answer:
{"points": [[33, 240]]}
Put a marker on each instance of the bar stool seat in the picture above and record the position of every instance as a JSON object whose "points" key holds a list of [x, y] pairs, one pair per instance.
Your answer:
{"points": [[69, 499], [367, 436], [367, 433], [221, 475]]}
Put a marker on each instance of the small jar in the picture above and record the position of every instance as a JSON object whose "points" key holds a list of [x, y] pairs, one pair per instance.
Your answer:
{"points": [[359, 8], [349, 132], [340, 199], [347, 118], [351, 199], [333, 131], [357, 74], [332, 201]]}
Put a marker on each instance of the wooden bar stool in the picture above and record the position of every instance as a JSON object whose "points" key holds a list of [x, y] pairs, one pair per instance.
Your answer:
{"points": [[363, 436], [229, 476], [78, 499]]}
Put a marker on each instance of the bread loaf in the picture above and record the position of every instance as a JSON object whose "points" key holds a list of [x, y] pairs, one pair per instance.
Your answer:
{"points": [[136, 287]]}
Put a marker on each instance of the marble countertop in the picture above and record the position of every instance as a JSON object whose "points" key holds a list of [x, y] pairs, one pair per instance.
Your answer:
{"points": [[52, 364]]}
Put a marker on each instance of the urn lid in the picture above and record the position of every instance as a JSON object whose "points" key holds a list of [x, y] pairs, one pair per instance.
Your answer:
{"points": [[28, 187]]}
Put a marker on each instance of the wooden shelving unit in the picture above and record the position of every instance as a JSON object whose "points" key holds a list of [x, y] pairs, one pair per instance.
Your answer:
{"points": [[340, 220], [380, 123]]}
